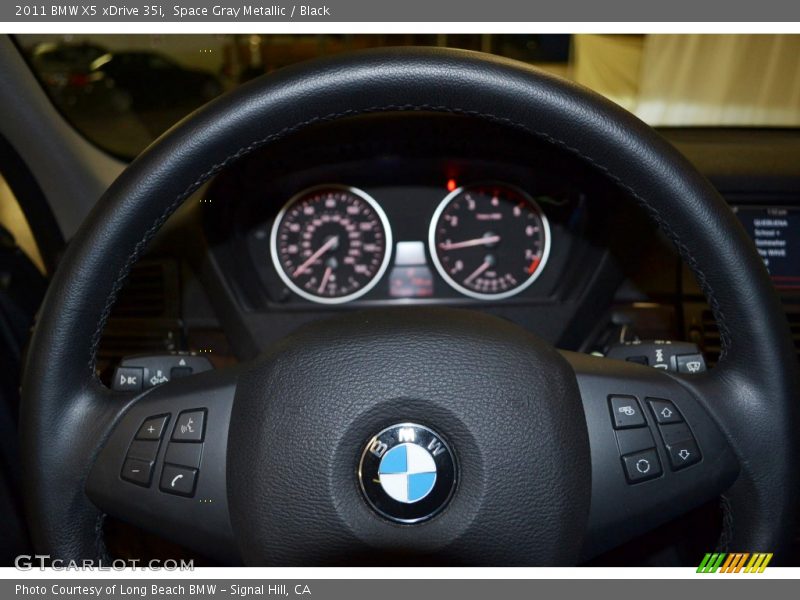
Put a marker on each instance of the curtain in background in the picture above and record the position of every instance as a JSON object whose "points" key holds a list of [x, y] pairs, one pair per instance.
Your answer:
{"points": [[610, 65], [720, 80], [748, 80]]}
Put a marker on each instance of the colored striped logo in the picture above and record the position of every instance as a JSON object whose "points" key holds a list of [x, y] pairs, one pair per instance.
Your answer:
{"points": [[735, 562]]}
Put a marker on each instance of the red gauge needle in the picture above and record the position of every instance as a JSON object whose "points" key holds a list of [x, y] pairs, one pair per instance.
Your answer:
{"points": [[325, 279], [534, 264], [481, 241], [485, 265], [331, 243]]}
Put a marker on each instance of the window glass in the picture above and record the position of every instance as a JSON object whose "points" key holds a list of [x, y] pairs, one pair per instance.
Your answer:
{"points": [[13, 220], [122, 91]]}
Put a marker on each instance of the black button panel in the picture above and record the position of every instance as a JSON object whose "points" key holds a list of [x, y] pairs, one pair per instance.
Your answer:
{"points": [[137, 373], [636, 441], [181, 462], [641, 466], [667, 355], [626, 412]]}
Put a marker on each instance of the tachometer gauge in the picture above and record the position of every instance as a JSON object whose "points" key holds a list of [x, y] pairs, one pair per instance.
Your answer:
{"points": [[489, 241], [331, 244]]}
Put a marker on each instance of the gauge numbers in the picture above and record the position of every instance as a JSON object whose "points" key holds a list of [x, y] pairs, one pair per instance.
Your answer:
{"points": [[331, 244], [489, 241]]}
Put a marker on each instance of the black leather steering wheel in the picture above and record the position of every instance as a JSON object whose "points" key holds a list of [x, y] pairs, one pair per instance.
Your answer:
{"points": [[540, 477]]}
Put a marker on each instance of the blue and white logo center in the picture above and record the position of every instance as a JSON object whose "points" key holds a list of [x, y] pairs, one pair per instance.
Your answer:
{"points": [[407, 473]]}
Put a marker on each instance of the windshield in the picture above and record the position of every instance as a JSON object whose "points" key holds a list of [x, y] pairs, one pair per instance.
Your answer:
{"points": [[123, 91]]}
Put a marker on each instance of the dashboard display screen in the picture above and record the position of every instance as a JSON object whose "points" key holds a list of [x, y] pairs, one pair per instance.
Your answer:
{"points": [[776, 233], [411, 282]]}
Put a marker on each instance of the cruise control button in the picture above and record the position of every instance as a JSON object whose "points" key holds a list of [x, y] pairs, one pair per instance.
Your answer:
{"points": [[190, 426], [137, 471], [152, 428], [641, 466], [626, 412], [683, 454], [178, 480], [664, 411]]}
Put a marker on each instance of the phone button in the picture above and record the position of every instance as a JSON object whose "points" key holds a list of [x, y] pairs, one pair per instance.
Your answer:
{"points": [[178, 480]]}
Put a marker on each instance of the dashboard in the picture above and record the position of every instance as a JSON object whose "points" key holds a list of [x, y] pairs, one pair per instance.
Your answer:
{"points": [[417, 210]]}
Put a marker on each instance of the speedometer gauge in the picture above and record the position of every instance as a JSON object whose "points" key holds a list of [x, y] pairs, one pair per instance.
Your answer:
{"points": [[331, 243], [489, 241]]}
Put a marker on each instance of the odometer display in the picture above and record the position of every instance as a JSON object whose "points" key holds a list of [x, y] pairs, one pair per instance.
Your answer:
{"points": [[331, 244], [489, 241]]}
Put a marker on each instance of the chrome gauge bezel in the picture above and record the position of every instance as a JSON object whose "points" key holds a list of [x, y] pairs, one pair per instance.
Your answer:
{"points": [[387, 231], [466, 291]]}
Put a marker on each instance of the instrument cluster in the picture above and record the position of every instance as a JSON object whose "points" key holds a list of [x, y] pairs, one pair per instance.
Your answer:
{"points": [[334, 244]]}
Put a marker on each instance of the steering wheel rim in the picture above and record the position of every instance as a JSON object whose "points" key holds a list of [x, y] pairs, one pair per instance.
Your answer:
{"points": [[67, 415]]}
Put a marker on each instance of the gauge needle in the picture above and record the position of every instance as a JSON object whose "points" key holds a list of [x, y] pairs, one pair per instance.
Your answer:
{"points": [[481, 241], [322, 250], [485, 265], [325, 279]]}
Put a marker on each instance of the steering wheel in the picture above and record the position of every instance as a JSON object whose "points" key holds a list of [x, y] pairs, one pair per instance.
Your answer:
{"points": [[539, 456]]}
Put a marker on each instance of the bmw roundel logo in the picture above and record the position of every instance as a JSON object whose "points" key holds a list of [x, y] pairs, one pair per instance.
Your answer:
{"points": [[407, 473]]}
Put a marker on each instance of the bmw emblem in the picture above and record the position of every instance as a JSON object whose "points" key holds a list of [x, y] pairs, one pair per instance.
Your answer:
{"points": [[407, 473]]}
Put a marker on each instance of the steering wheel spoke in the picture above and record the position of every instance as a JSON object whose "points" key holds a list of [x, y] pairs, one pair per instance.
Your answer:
{"points": [[656, 451], [163, 467]]}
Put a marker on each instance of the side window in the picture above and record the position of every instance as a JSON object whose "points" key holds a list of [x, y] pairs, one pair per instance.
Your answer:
{"points": [[13, 220]]}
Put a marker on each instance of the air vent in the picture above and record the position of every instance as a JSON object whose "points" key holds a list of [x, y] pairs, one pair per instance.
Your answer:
{"points": [[150, 292], [794, 325], [711, 342], [145, 318], [124, 337]]}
